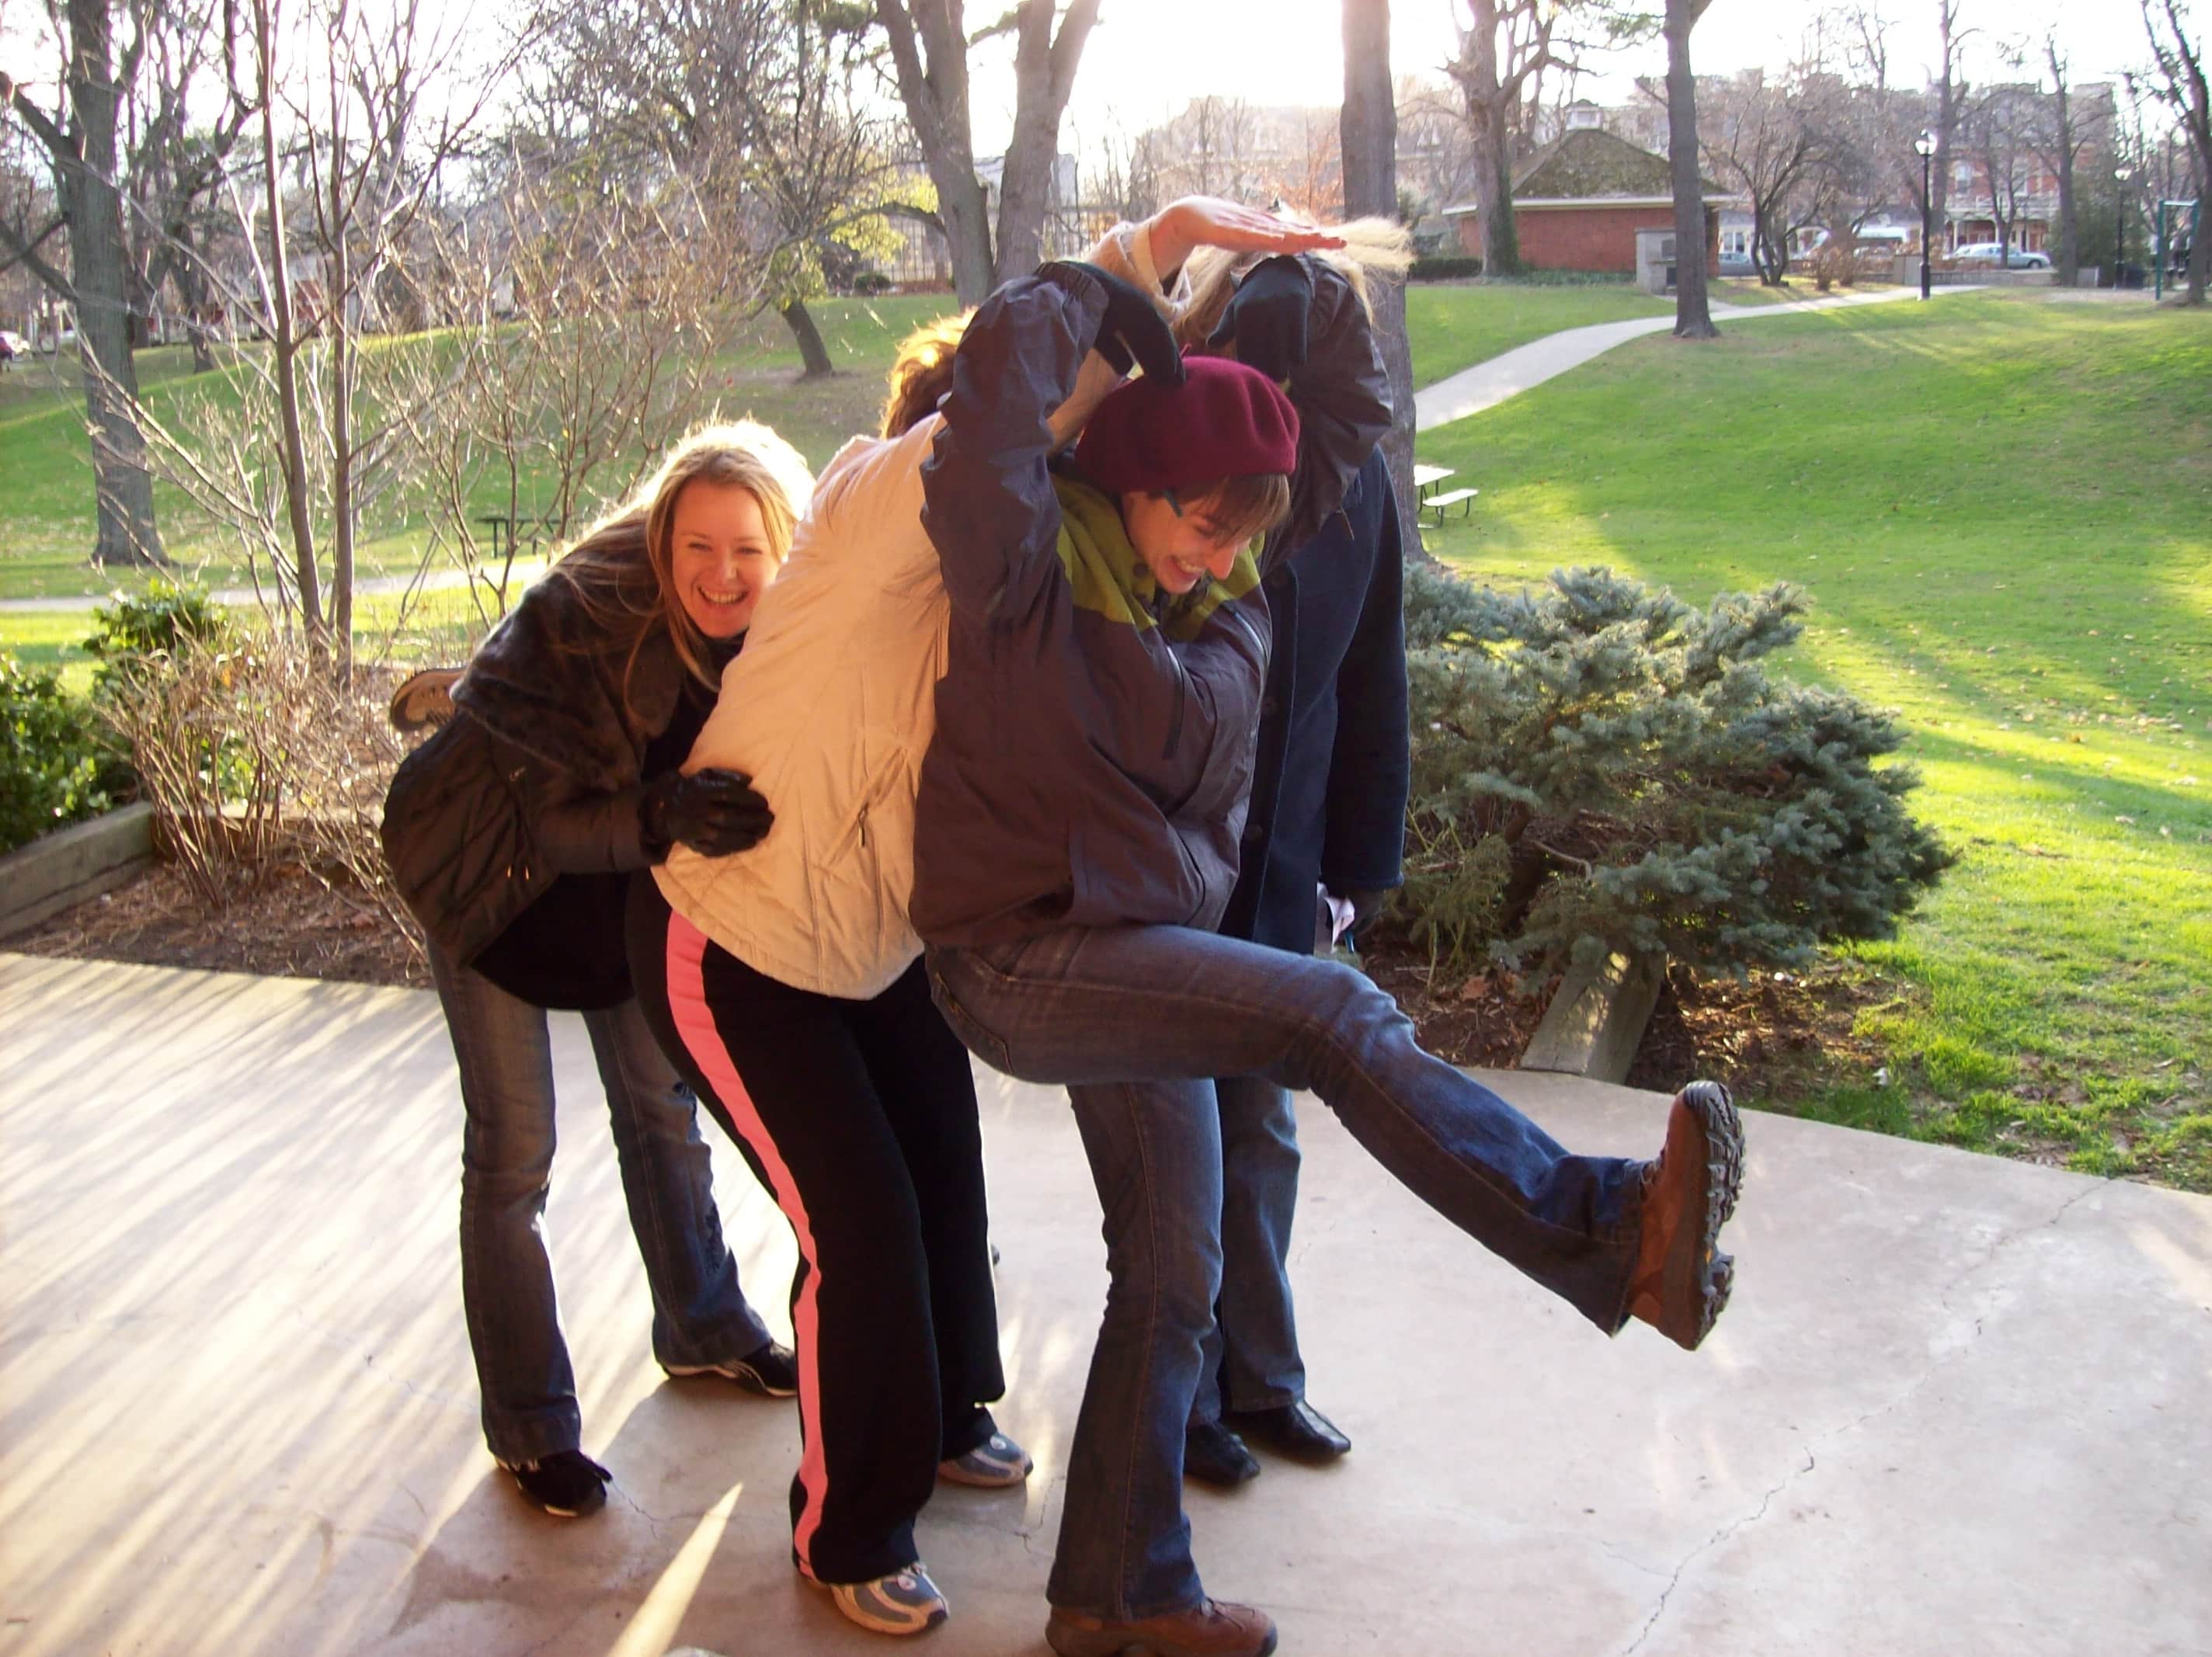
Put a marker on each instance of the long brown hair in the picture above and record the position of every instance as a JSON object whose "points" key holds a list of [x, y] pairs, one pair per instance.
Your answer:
{"points": [[1373, 248], [622, 570]]}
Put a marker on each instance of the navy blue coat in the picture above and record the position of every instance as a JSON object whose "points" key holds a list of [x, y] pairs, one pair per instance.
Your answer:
{"points": [[1329, 780]]}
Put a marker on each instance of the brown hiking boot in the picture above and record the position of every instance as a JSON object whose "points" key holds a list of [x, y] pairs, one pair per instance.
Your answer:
{"points": [[1211, 1628], [424, 700], [1682, 1280]]}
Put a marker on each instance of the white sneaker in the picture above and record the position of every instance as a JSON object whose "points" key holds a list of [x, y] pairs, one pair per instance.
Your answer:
{"points": [[905, 1602], [997, 1464]]}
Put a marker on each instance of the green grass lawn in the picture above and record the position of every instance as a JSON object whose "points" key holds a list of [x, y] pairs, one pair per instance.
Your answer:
{"points": [[2001, 508], [1454, 325], [46, 512]]}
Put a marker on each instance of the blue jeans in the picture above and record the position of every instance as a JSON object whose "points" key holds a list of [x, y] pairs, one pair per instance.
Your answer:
{"points": [[699, 1313], [1252, 1359], [1093, 1008]]}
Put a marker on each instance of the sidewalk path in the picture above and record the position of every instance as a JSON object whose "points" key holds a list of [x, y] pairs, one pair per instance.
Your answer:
{"points": [[526, 571], [1488, 383], [1958, 1404]]}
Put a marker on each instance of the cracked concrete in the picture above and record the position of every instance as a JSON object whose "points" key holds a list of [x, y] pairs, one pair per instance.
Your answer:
{"points": [[1957, 1405]]}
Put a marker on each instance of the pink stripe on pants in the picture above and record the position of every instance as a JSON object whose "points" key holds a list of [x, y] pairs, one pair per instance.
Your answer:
{"points": [[694, 1023]]}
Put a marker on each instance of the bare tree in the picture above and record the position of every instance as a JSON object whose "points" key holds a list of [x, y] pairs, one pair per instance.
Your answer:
{"points": [[1998, 136], [176, 166], [1951, 93], [929, 46], [1761, 136], [1369, 132], [1693, 316], [2181, 86], [80, 143], [2059, 137], [1507, 49]]}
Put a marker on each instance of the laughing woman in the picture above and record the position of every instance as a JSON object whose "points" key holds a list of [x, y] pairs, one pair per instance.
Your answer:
{"points": [[512, 833]]}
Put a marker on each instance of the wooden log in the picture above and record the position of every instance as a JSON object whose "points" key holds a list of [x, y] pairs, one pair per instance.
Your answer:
{"points": [[56, 871], [1597, 1018]]}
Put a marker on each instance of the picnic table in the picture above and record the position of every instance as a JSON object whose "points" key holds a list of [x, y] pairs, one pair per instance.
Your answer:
{"points": [[509, 532], [1431, 498]]}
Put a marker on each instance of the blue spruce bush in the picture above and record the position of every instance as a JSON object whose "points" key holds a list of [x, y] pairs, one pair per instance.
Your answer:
{"points": [[1599, 766]]}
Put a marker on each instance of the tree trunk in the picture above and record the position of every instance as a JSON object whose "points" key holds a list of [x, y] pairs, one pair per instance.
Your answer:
{"points": [[1368, 135], [2069, 243], [123, 489], [813, 355], [935, 93], [1044, 76], [1492, 143], [340, 323], [284, 342], [1692, 316]]}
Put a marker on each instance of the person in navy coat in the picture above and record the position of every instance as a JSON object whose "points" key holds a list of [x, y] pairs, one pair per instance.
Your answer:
{"points": [[1328, 812]]}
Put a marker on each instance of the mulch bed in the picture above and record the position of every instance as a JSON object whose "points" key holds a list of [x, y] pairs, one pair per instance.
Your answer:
{"points": [[290, 925]]}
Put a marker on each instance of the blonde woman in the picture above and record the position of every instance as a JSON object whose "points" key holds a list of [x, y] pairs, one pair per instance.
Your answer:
{"points": [[512, 833]]}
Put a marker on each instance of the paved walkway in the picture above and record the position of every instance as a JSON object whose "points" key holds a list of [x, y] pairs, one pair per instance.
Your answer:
{"points": [[1488, 383], [525, 571], [1959, 1404]]}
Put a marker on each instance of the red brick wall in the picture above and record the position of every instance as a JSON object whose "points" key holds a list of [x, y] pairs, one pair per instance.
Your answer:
{"points": [[1587, 238]]}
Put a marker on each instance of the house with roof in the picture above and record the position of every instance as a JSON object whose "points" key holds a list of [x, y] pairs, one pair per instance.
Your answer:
{"points": [[1579, 201]]}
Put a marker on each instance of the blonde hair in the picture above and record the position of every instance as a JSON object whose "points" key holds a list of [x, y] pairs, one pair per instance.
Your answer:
{"points": [[623, 567], [923, 373], [1372, 247]]}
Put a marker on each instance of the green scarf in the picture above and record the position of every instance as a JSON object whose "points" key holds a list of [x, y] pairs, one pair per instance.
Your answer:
{"points": [[1110, 579]]}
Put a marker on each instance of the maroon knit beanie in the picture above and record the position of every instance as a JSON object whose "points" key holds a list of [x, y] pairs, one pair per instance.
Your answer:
{"points": [[1224, 421]]}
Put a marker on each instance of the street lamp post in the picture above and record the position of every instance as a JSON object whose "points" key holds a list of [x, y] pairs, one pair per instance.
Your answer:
{"points": [[1925, 144], [2120, 227]]}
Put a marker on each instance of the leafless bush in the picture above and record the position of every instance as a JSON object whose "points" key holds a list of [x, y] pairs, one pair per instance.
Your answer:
{"points": [[257, 757]]}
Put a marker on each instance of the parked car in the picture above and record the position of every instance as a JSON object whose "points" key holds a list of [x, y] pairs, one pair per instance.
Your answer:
{"points": [[1991, 252]]}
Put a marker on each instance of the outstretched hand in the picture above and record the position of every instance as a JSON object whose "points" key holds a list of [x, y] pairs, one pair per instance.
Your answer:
{"points": [[1210, 222]]}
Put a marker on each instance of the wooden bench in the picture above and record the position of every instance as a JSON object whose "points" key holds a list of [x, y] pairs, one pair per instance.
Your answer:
{"points": [[1438, 504]]}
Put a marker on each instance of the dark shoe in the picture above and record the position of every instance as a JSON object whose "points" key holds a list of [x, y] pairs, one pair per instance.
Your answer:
{"points": [[567, 1483], [1212, 1628], [424, 700], [1297, 1430], [1214, 1455], [772, 1372], [1682, 1279]]}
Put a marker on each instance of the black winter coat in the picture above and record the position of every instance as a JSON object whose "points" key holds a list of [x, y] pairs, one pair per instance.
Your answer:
{"points": [[537, 776], [1329, 782]]}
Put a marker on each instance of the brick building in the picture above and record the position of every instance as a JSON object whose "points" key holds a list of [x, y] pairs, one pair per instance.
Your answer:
{"points": [[1578, 203]]}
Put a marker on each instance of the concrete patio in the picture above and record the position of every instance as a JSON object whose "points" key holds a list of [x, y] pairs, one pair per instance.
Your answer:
{"points": [[1958, 1405]]}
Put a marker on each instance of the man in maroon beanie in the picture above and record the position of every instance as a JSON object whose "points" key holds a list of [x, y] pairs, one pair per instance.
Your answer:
{"points": [[1077, 834]]}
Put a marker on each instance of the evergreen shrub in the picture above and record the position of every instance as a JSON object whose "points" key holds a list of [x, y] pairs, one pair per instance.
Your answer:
{"points": [[1599, 766], [164, 619], [1444, 268], [49, 756]]}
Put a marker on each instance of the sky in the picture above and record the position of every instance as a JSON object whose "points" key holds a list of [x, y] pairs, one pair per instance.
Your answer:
{"points": [[1148, 58]]}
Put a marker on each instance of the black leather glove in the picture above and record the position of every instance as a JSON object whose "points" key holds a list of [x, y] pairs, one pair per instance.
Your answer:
{"points": [[1267, 317], [1133, 329], [713, 812]]}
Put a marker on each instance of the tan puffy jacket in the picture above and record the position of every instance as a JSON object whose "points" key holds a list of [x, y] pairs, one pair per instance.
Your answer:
{"points": [[829, 707]]}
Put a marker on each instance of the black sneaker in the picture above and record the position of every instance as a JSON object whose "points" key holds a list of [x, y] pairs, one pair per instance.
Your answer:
{"points": [[772, 1372], [567, 1483]]}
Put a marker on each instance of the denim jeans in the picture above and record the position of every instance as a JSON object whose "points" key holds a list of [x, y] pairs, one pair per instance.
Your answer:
{"points": [[1252, 1359], [699, 1313], [1091, 1008]]}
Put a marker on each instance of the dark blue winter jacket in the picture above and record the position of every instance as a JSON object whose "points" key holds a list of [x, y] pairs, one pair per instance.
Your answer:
{"points": [[1329, 780]]}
